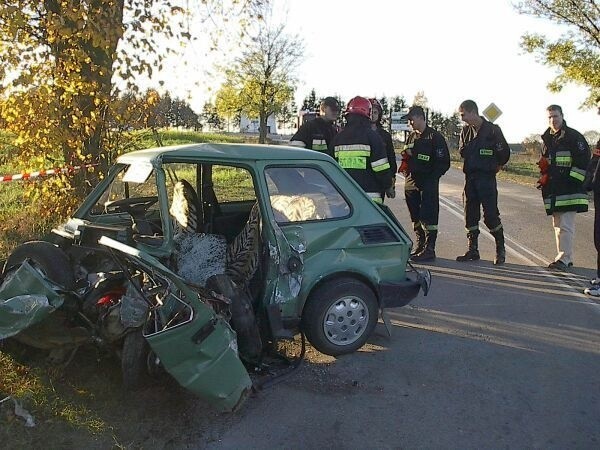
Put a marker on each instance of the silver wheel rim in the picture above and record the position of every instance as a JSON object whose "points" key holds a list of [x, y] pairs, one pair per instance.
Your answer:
{"points": [[346, 320]]}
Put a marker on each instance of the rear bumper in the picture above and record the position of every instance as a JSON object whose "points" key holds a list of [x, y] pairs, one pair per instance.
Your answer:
{"points": [[394, 295]]}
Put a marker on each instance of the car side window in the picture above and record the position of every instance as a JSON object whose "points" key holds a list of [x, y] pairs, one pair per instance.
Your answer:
{"points": [[232, 184], [299, 194]]}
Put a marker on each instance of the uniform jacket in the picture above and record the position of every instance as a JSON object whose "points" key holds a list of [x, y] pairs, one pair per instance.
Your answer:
{"points": [[569, 155], [430, 158], [361, 152], [315, 134], [484, 150]]}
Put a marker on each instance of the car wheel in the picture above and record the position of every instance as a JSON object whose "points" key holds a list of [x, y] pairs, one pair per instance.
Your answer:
{"points": [[50, 259], [134, 357], [340, 316]]}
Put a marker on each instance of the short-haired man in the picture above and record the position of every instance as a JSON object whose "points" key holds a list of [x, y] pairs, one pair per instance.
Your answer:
{"points": [[318, 133], [566, 155], [484, 151], [429, 159]]}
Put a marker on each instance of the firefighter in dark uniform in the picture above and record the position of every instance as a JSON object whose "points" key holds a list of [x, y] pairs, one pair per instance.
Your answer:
{"points": [[376, 116], [360, 151], [427, 160], [484, 151], [567, 155], [317, 134]]}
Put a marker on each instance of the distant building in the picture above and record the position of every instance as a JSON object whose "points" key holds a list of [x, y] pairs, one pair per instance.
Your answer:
{"points": [[252, 124], [517, 148]]}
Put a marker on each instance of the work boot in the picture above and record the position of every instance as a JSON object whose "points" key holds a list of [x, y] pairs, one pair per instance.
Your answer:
{"points": [[472, 253], [500, 250], [428, 253], [420, 232]]}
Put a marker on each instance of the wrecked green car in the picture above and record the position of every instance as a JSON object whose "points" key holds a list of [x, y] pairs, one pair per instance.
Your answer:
{"points": [[198, 257]]}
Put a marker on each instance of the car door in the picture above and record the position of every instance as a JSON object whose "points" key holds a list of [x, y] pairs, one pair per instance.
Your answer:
{"points": [[194, 343]]}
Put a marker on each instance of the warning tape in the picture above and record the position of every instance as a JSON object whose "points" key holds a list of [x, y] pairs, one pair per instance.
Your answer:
{"points": [[43, 173]]}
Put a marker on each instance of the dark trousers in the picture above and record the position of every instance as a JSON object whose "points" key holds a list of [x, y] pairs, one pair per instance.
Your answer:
{"points": [[481, 191], [423, 202], [597, 230]]}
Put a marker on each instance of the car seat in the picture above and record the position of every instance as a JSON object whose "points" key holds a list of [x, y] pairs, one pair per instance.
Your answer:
{"points": [[243, 253], [184, 208]]}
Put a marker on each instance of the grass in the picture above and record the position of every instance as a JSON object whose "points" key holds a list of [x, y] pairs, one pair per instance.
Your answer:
{"points": [[521, 168], [147, 139]]}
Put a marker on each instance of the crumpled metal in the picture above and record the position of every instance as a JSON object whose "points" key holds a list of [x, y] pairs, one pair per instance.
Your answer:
{"points": [[26, 297]]}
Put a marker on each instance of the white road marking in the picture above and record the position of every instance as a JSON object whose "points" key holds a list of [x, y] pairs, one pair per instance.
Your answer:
{"points": [[457, 211]]}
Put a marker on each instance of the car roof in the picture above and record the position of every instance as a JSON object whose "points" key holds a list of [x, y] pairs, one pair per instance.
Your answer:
{"points": [[224, 152]]}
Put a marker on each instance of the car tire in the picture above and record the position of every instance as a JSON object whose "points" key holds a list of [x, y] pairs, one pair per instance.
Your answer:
{"points": [[134, 357], [50, 259], [340, 316]]}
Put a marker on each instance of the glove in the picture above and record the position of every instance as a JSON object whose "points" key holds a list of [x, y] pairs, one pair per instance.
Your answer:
{"points": [[543, 164], [542, 181], [391, 192], [403, 169]]}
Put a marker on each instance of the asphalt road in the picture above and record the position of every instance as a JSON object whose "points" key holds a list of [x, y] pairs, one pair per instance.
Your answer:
{"points": [[494, 357]]}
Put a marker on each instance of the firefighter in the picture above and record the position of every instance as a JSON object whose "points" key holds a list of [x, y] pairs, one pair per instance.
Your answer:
{"points": [[566, 155], [484, 151], [592, 183], [317, 134], [376, 116], [361, 152], [427, 159]]}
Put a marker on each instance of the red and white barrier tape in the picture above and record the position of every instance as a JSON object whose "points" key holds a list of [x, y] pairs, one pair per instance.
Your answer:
{"points": [[43, 173]]}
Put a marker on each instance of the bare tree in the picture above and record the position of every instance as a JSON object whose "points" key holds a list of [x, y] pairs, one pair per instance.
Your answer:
{"points": [[263, 75]]}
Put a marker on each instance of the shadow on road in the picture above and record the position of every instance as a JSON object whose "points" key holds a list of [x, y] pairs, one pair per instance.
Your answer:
{"points": [[503, 305]]}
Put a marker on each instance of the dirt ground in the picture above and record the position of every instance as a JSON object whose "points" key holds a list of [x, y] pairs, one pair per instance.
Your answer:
{"points": [[84, 405]]}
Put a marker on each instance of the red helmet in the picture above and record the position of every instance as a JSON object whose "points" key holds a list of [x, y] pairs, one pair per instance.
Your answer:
{"points": [[360, 106]]}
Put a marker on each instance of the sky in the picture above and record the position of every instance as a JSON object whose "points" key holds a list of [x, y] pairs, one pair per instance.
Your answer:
{"points": [[451, 50]]}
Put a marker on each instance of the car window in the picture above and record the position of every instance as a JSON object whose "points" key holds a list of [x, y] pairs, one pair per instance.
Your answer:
{"points": [[120, 190], [300, 194], [232, 184]]}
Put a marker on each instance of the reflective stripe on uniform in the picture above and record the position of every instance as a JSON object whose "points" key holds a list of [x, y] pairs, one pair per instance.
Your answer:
{"points": [[486, 152], [352, 156], [380, 164], [578, 174], [297, 144], [353, 150], [493, 230], [563, 159], [423, 157], [429, 227], [571, 200], [352, 162], [473, 228], [567, 200], [375, 196], [319, 144]]}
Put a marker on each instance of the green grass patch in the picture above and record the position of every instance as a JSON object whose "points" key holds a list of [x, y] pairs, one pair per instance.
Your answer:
{"points": [[147, 139], [521, 168]]}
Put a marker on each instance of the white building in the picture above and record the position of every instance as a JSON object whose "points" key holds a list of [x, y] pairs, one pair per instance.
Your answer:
{"points": [[252, 125]]}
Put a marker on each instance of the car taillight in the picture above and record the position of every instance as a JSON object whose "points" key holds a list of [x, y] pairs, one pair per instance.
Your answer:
{"points": [[110, 298]]}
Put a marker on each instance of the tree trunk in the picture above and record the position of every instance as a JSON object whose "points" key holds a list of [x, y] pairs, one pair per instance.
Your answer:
{"points": [[262, 132]]}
